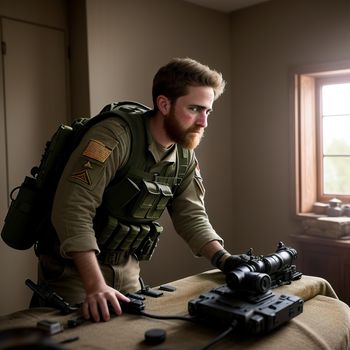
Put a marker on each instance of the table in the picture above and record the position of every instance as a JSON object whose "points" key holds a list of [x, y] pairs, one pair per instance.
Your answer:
{"points": [[324, 323]]}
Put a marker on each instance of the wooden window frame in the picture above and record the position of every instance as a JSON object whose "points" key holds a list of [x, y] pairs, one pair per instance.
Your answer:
{"points": [[306, 146]]}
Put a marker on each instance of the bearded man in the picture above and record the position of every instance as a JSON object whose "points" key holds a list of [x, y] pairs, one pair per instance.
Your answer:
{"points": [[125, 172]]}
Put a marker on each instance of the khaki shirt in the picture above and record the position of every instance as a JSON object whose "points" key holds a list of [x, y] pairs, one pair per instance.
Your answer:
{"points": [[103, 150]]}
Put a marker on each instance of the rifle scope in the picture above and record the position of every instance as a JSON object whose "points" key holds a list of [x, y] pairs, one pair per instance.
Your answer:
{"points": [[254, 275]]}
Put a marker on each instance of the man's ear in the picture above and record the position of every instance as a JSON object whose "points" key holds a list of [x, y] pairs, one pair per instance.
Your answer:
{"points": [[163, 104]]}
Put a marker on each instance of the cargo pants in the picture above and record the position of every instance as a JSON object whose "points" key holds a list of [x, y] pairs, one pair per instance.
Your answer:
{"points": [[63, 278]]}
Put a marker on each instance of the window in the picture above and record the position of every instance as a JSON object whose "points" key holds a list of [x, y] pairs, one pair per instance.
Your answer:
{"points": [[322, 137], [333, 98]]}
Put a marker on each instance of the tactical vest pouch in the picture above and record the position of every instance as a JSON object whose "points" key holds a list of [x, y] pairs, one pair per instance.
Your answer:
{"points": [[152, 200], [147, 199], [125, 191], [19, 231], [144, 231], [131, 239], [119, 234], [145, 251], [107, 231], [165, 195]]}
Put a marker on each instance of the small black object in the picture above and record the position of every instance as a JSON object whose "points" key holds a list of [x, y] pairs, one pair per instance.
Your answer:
{"points": [[151, 292], [146, 290], [69, 340], [135, 296], [167, 288], [75, 322], [134, 306], [155, 336]]}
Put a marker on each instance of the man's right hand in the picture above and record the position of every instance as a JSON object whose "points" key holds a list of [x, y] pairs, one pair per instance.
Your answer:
{"points": [[99, 302], [98, 294]]}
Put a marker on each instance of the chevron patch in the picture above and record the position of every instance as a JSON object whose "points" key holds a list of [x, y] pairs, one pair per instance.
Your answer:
{"points": [[82, 176]]}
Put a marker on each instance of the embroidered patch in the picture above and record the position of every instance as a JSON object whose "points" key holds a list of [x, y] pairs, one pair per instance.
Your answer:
{"points": [[82, 176], [97, 150], [88, 165]]}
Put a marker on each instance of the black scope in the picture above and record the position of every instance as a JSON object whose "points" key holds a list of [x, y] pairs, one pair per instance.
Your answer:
{"points": [[254, 275]]}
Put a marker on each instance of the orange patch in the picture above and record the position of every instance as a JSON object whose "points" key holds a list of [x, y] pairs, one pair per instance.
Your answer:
{"points": [[97, 150]]}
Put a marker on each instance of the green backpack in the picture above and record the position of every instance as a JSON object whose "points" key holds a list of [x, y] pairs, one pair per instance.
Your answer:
{"points": [[30, 211]]}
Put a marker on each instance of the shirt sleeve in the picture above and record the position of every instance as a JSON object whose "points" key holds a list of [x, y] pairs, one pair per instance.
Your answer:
{"points": [[92, 165], [188, 212]]}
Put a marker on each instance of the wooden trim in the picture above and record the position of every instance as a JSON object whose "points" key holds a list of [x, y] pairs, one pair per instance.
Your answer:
{"points": [[324, 242], [307, 143]]}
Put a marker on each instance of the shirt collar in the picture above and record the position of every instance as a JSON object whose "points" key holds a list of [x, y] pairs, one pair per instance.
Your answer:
{"points": [[159, 154]]}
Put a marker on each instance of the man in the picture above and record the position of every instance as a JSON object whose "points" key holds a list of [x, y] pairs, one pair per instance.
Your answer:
{"points": [[105, 222]]}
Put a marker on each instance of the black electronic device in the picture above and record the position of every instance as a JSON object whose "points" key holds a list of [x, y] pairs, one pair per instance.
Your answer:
{"points": [[134, 306], [50, 297], [254, 314], [246, 302]]}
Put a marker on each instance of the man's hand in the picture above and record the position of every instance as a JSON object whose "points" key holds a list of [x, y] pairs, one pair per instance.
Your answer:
{"points": [[233, 261], [99, 296], [221, 258], [102, 300]]}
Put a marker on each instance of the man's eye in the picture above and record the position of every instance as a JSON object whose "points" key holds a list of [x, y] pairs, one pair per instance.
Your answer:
{"points": [[199, 109]]}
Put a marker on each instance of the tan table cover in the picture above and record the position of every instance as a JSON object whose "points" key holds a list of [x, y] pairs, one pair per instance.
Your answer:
{"points": [[323, 325]]}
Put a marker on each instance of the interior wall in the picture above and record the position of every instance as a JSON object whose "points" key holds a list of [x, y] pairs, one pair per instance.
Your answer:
{"points": [[79, 65], [127, 42], [16, 266], [267, 42]]}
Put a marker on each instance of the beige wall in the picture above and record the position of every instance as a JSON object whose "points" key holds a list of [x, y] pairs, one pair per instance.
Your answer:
{"points": [[16, 266], [128, 41], [79, 67], [267, 42]]}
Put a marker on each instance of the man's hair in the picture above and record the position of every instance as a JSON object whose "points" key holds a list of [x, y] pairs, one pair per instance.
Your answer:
{"points": [[173, 79]]}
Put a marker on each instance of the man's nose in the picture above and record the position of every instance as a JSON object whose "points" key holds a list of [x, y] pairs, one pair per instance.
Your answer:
{"points": [[202, 119]]}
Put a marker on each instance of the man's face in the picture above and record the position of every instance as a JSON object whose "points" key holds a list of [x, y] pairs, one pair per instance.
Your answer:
{"points": [[188, 116]]}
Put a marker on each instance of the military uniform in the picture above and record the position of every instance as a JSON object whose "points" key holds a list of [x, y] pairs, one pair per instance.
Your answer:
{"points": [[104, 150]]}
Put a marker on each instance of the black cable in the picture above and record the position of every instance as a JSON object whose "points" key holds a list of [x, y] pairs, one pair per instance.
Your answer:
{"points": [[142, 283], [167, 317], [220, 336], [192, 319]]}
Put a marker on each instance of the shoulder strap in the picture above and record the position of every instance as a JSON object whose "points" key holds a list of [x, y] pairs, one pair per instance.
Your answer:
{"points": [[122, 109], [67, 138], [184, 161], [133, 114]]}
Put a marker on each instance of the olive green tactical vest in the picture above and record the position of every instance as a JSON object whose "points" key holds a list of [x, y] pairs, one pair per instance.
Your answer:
{"points": [[138, 194]]}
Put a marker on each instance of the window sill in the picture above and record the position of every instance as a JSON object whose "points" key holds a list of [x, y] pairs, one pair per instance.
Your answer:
{"points": [[325, 226]]}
